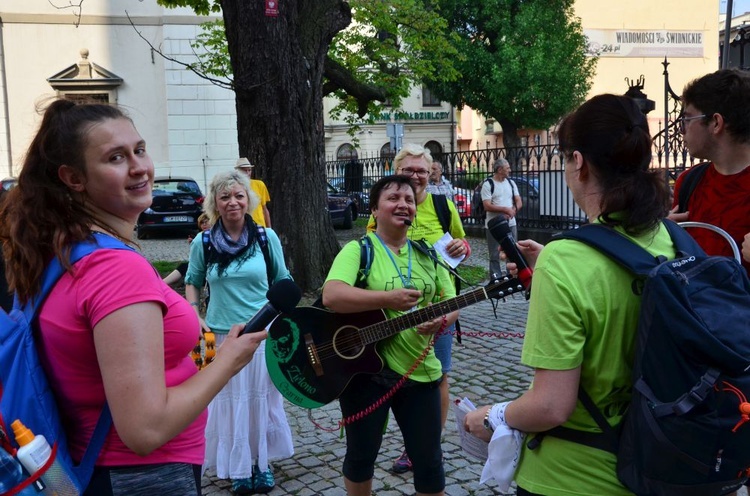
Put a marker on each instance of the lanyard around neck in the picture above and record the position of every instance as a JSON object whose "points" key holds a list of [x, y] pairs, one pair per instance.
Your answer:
{"points": [[405, 281]]}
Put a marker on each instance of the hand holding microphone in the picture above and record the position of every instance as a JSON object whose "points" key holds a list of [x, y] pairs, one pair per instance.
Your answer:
{"points": [[282, 297], [500, 230]]}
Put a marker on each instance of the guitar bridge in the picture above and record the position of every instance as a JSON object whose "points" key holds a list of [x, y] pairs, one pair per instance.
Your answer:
{"points": [[312, 355]]}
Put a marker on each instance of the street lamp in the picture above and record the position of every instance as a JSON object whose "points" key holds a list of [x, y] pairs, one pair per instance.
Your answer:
{"points": [[634, 92], [741, 39]]}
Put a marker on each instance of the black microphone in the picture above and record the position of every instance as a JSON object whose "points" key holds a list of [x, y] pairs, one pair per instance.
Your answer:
{"points": [[407, 222], [500, 230], [282, 297]]}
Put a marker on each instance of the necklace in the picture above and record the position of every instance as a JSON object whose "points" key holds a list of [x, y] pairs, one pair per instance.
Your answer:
{"points": [[405, 281]]}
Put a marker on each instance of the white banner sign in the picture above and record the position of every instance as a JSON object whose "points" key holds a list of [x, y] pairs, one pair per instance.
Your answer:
{"points": [[644, 43]]}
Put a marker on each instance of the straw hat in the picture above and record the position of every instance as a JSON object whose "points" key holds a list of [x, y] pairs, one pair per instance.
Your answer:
{"points": [[243, 163]]}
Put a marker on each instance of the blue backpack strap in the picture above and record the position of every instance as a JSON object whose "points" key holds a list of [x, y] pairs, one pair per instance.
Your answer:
{"points": [[263, 242], [206, 238], [614, 245], [52, 274], [682, 240], [366, 255]]}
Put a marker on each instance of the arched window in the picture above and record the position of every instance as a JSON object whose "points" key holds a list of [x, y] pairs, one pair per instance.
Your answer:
{"points": [[346, 152], [386, 152], [386, 158], [436, 150]]}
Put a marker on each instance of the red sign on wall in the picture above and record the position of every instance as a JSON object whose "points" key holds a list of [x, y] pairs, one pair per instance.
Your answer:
{"points": [[272, 8]]}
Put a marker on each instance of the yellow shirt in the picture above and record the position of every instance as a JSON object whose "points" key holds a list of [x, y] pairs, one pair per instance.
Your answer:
{"points": [[259, 187]]}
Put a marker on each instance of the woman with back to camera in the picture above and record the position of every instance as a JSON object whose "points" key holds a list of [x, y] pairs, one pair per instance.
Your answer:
{"points": [[583, 313], [111, 330], [400, 278], [247, 426]]}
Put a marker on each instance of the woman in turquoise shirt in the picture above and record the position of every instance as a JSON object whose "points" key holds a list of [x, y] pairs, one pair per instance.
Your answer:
{"points": [[247, 426]]}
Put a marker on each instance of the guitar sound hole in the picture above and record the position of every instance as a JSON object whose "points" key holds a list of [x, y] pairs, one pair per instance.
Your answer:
{"points": [[347, 343]]}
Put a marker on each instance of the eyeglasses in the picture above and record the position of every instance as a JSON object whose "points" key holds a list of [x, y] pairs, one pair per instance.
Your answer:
{"points": [[417, 172], [682, 121]]}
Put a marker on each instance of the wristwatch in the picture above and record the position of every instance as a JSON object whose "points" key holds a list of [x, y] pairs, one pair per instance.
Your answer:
{"points": [[487, 424]]}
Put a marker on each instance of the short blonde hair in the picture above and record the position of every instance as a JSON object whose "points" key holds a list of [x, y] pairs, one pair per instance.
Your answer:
{"points": [[413, 150], [223, 181]]}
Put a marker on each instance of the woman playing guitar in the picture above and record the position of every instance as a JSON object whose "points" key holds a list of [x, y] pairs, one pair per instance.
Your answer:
{"points": [[400, 279]]}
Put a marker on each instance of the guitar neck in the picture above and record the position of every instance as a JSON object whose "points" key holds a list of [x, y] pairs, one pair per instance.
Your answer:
{"points": [[391, 327]]}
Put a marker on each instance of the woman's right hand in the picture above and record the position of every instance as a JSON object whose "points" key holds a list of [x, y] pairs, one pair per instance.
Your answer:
{"points": [[239, 350], [404, 299]]}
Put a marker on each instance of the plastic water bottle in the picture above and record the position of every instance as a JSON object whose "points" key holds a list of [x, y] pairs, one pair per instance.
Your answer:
{"points": [[11, 474], [33, 453]]}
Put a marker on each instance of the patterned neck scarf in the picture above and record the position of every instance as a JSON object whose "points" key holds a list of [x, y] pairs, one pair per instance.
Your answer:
{"points": [[223, 242]]}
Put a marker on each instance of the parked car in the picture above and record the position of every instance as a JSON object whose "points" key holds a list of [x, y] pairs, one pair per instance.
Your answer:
{"points": [[177, 203], [461, 198], [342, 208], [362, 197]]}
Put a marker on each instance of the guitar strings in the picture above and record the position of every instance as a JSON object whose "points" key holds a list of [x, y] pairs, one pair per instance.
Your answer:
{"points": [[359, 338]]}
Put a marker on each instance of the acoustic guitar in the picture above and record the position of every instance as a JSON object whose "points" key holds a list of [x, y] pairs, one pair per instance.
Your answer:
{"points": [[313, 353]]}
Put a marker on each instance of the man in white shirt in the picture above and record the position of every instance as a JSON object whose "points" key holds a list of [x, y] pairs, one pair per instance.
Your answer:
{"points": [[500, 197]]}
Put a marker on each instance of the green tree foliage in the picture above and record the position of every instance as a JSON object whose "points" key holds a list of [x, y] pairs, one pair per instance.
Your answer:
{"points": [[389, 47], [522, 62], [281, 68]]}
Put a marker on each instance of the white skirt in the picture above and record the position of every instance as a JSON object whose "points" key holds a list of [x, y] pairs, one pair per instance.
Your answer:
{"points": [[246, 422]]}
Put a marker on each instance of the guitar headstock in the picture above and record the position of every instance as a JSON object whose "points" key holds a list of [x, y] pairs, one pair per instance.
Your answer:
{"points": [[500, 287]]}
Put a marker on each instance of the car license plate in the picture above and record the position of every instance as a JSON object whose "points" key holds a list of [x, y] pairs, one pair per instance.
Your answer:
{"points": [[177, 218]]}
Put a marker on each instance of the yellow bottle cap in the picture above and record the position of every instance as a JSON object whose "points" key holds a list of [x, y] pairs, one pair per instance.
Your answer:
{"points": [[23, 434]]}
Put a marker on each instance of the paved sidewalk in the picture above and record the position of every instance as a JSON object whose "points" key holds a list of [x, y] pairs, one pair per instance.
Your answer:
{"points": [[485, 369]]}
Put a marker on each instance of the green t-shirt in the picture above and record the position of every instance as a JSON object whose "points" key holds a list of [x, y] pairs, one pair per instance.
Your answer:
{"points": [[426, 223], [400, 351], [583, 312]]}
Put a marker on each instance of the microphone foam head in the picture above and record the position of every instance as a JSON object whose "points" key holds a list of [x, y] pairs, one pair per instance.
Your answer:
{"points": [[499, 227], [284, 295]]}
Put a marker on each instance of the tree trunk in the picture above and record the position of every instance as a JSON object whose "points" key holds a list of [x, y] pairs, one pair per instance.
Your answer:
{"points": [[511, 141], [278, 71]]}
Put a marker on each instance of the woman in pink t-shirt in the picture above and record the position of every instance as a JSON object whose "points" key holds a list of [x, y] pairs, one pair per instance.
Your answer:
{"points": [[111, 330]]}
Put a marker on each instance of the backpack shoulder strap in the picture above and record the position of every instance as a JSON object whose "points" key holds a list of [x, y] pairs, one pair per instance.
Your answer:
{"points": [[440, 202], [54, 271], [52, 274], [426, 249], [263, 242], [492, 185], [692, 177], [366, 255], [614, 245], [206, 238]]}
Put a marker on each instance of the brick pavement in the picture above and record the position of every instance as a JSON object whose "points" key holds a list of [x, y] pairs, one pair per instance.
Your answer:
{"points": [[485, 369]]}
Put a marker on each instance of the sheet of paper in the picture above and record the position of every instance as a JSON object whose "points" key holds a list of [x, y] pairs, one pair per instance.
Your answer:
{"points": [[472, 445], [441, 244]]}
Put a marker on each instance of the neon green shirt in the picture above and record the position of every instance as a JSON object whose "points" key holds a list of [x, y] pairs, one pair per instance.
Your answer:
{"points": [[583, 312], [401, 351]]}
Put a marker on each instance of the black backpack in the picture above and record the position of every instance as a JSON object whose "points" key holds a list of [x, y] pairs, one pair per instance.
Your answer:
{"points": [[692, 177], [687, 428]]}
